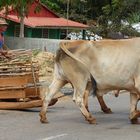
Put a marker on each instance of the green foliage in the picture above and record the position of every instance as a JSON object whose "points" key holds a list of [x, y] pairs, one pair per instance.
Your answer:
{"points": [[58, 6], [117, 11], [129, 31], [21, 6], [109, 14], [133, 18], [51, 4]]}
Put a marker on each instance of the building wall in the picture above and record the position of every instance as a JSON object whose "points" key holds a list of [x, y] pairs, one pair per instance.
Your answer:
{"points": [[50, 45], [32, 32], [10, 29]]}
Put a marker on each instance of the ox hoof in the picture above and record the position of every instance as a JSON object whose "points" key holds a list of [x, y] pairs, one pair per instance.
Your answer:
{"points": [[91, 120], [107, 110], [43, 121], [43, 118], [134, 115], [135, 121], [116, 95]]}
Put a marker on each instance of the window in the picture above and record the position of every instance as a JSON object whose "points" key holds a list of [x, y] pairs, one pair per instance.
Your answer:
{"points": [[17, 31], [44, 33], [63, 34]]}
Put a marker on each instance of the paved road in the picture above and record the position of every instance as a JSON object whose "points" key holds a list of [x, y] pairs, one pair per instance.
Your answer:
{"points": [[67, 123]]}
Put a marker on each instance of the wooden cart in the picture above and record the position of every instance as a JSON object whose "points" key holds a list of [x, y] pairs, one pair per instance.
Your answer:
{"points": [[15, 76]]}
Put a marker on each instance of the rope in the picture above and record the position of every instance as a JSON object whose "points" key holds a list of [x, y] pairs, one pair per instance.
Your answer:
{"points": [[34, 79]]}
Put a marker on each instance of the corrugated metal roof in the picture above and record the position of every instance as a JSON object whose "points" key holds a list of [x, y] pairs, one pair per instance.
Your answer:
{"points": [[48, 22]]}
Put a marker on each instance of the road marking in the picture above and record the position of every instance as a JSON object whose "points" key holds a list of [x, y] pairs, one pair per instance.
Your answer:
{"points": [[54, 137]]}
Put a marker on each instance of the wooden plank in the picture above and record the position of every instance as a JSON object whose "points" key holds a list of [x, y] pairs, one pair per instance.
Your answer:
{"points": [[17, 80], [19, 63], [12, 94], [9, 71], [16, 74], [13, 80], [14, 66], [20, 105], [31, 92], [11, 88]]}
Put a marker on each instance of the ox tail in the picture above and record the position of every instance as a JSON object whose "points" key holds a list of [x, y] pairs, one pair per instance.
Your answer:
{"points": [[94, 85], [63, 47]]}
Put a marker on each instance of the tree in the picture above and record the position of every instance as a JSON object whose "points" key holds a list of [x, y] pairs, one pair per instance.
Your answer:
{"points": [[57, 6], [118, 12], [109, 14], [77, 8], [22, 9]]}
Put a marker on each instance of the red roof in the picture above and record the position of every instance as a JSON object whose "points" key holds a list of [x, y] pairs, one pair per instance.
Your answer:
{"points": [[45, 18], [48, 22], [44, 11]]}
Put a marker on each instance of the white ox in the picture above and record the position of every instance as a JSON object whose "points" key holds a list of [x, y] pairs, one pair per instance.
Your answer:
{"points": [[114, 65]]}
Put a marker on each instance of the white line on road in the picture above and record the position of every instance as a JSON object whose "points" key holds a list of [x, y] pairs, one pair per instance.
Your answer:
{"points": [[54, 137]]}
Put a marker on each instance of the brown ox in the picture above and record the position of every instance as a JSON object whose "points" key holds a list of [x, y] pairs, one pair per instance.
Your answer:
{"points": [[114, 65]]}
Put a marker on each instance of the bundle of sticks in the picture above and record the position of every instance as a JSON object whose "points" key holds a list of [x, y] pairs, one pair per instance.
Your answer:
{"points": [[17, 61], [16, 55]]}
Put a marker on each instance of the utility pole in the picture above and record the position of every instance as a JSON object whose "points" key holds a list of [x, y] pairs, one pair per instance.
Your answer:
{"points": [[68, 3]]}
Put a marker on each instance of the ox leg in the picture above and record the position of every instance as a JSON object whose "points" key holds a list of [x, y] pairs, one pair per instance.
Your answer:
{"points": [[79, 100], [53, 89], [134, 113], [104, 107], [101, 101], [86, 95]]}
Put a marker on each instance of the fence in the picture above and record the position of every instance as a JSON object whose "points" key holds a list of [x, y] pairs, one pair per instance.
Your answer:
{"points": [[50, 45]]}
